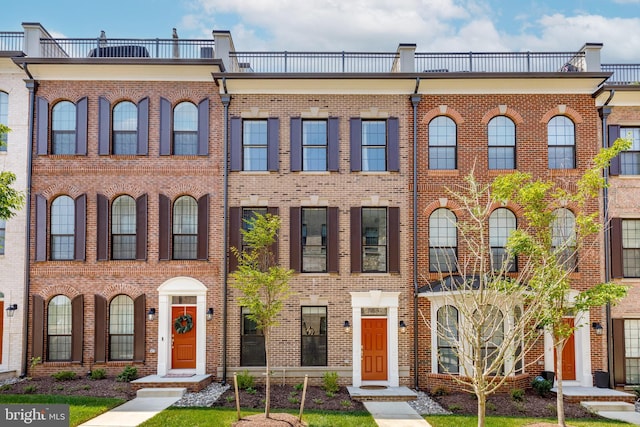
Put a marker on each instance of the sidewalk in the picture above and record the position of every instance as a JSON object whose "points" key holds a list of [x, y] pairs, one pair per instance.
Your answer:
{"points": [[395, 414]]}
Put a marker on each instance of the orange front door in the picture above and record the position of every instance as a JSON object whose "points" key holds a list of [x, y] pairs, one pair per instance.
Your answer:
{"points": [[374, 349], [183, 345], [569, 356]]}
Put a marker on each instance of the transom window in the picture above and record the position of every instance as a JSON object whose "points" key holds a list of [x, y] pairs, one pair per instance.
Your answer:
{"points": [[254, 145], [502, 143], [448, 361], [374, 240], [631, 248], [632, 350], [63, 128], [314, 336], [563, 238], [314, 240], [185, 129], [62, 228], [561, 142], [185, 228], [374, 145], [121, 328], [59, 328], [125, 128], [123, 226], [442, 143], [501, 223], [314, 145], [443, 241], [4, 119], [630, 158]]}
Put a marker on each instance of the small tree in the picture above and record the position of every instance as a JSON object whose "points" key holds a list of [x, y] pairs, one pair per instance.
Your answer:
{"points": [[264, 284], [11, 200]]}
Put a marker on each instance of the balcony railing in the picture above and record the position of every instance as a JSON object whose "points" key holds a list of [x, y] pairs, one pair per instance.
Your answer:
{"points": [[493, 62], [11, 41], [313, 62], [127, 48], [623, 74]]}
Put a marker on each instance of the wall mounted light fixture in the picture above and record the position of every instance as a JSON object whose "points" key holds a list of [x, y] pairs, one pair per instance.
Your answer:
{"points": [[347, 326], [597, 327], [151, 314], [210, 314], [11, 309], [403, 327]]}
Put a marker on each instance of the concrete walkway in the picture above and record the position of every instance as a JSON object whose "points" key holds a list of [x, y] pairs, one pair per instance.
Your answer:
{"points": [[395, 414], [620, 411]]}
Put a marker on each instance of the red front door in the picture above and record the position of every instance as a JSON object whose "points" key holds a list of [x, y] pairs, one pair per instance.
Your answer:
{"points": [[374, 349], [569, 356], [183, 345]]}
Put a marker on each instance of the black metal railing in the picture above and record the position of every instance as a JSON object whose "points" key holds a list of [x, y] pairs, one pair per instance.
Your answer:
{"points": [[11, 41], [313, 62], [496, 62], [127, 48], [623, 74]]}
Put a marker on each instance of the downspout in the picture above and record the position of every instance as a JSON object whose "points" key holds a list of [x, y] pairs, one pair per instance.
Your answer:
{"points": [[604, 112], [226, 100], [32, 85], [415, 100]]}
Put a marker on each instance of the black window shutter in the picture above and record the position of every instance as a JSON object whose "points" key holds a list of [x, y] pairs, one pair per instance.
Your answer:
{"points": [[393, 249], [273, 144], [619, 371], [295, 132], [77, 328], [41, 228], [82, 124], [613, 134], [166, 127], [164, 231], [203, 127], [355, 132], [37, 335], [275, 248], [333, 249], [143, 127], [617, 270], [141, 228], [104, 126], [393, 145], [103, 228], [42, 135], [295, 243], [236, 144], [139, 326], [235, 225], [81, 227], [100, 329], [333, 144], [203, 227], [356, 240]]}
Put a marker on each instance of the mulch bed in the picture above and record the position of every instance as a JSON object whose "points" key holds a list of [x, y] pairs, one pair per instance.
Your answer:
{"points": [[107, 387]]}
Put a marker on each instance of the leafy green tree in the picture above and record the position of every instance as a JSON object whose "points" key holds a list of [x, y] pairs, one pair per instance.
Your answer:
{"points": [[11, 200], [263, 283]]}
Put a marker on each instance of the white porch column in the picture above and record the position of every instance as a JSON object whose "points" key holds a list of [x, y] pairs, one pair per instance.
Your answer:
{"points": [[356, 331], [164, 334]]}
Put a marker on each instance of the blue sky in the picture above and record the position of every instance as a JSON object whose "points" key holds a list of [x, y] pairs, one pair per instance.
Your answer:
{"points": [[352, 25]]}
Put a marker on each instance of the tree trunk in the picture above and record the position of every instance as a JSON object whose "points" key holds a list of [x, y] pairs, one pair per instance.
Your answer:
{"points": [[559, 347], [267, 386], [482, 408]]}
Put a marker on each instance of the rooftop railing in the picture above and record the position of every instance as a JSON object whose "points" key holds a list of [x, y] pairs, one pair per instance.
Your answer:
{"points": [[11, 41], [129, 48], [313, 62], [623, 74], [494, 62]]}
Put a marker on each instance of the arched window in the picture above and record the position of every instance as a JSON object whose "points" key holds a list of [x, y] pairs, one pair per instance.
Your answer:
{"points": [[492, 336], [62, 228], [443, 241], [123, 228], [442, 143], [125, 128], [501, 223], [63, 128], [185, 129], [448, 361], [185, 228], [561, 142], [121, 328], [4, 119], [518, 342], [502, 143], [563, 238], [59, 328]]}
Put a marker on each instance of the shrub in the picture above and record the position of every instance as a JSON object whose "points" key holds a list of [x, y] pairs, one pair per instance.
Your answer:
{"points": [[329, 394], [440, 391], [636, 390], [30, 388], [245, 380], [491, 406], [517, 395], [330, 382], [129, 373], [6, 387], [294, 400], [98, 374], [541, 386], [250, 390], [318, 401], [455, 407], [345, 403], [299, 386], [229, 399], [64, 375]]}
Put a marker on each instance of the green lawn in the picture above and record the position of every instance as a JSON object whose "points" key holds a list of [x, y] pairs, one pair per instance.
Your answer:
{"points": [[81, 409], [468, 421]]}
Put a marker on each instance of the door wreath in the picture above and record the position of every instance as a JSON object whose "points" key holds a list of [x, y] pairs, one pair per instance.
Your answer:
{"points": [[183, 324]]}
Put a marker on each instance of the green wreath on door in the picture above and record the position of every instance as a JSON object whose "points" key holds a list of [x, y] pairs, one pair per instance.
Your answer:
{"points": [[183, 324]]}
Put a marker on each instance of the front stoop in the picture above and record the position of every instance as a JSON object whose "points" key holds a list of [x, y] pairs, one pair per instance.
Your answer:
{"points": [[193, 384], [386, 394], [621, 411], [5, 375], [595, 394], [162, 392]]}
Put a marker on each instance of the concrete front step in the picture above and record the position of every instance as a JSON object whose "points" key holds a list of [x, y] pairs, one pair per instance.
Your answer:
{"points": [[382, 394], [609, 406], [162, 392], [5, 375]]}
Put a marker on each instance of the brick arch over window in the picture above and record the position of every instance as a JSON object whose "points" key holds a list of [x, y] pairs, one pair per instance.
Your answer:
{"points": [[508, 112], [56, 190], [516, 209], [115, 289], [442, 111], [51, 291], [120, 189], [185, 189], [562, 110], [442, 203]]}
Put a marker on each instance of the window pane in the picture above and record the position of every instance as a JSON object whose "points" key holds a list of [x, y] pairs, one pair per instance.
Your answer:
{"points": [[252, 350], [563, 238], [442, 143], [374, 239], [314, 240], [59, 328], [185, 228], [121, 328], [492, 335], [561, 142], [185, 129], [314, 336], [501, 158], [374, 145], [501, 223], [314, 145], [630, 159], [631, 247], [4, 119], [3, 228], [632, 350], [447, 337], [62, 228], [247, 215], [442, 241], [125, 128], [63, 128], [254, 142]]}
